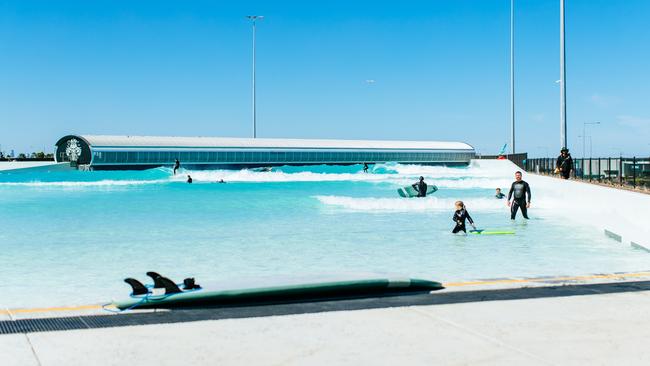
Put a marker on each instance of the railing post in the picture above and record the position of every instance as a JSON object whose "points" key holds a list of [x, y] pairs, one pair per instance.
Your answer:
{"points": [[620, 170], [590, 169], [609, 170]]}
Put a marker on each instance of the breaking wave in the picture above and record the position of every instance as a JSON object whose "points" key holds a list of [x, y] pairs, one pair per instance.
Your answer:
{"points": [[415, 204]]}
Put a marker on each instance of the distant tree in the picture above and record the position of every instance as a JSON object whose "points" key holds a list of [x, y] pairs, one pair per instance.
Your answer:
{"points": [[40, 155], [22, 156]]}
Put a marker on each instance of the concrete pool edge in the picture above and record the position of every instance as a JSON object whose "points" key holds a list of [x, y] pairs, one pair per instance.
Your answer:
{"points": [[455, 292]]}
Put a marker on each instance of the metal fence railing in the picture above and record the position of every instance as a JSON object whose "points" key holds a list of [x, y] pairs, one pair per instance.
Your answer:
{"points": [[633, 172], [519, 159]]}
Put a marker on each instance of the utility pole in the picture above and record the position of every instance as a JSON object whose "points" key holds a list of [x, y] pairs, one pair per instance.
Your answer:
{"points": [[253, 19], [563, 136], [512, 75]]}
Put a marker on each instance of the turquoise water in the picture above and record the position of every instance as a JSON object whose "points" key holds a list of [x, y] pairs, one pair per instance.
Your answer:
{"points": [[70, 237]]}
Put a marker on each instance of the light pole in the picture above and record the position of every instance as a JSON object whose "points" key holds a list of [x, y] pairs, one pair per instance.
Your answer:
{"points": [[545, 150], [253, 19], [563, 137], [512, 74], [584, 133]]}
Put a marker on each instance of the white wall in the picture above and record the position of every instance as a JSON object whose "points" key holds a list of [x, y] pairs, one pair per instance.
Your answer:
{"points": [[14, 165]]}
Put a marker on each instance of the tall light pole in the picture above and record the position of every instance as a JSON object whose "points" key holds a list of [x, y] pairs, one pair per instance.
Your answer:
{"points": [[584, 133], [590, 147], [253, 19], [512, 75], [563, 137]]}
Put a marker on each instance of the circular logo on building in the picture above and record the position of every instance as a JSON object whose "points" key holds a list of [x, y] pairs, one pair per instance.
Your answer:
{"points": [[73, 150]]}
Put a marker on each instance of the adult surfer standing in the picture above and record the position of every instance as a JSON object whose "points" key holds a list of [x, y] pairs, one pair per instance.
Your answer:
{"points": [[177, 165], [521, 192], [420, 187]]}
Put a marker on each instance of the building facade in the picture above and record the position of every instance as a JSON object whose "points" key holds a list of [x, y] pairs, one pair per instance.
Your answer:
{"points": [[144, 152]]}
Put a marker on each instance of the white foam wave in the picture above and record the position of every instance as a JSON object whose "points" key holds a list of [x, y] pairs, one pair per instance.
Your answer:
{"points": [[264, 177], [400, 175], [99, 183], [414, 204]]}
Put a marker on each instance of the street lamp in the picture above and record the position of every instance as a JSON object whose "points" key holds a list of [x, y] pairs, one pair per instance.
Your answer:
{"points": [[512, 74], [590, 147], [545, 150], [584, 133], [253, 19]]}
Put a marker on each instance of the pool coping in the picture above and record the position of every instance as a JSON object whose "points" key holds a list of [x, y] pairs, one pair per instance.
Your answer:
{"points": [[501, 289]]}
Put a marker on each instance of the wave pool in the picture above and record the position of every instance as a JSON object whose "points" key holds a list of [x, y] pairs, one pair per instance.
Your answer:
{"points": [[70, 237]]}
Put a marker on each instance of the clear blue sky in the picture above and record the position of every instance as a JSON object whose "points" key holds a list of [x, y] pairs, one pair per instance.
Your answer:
{"points": [[441, 71]]}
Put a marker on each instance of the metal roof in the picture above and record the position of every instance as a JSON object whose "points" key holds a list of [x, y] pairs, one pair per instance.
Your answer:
{"points": [[213, 142]]}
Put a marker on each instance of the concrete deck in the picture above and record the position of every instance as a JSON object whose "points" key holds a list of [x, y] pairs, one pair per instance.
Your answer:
{"points": [[568, 327]]}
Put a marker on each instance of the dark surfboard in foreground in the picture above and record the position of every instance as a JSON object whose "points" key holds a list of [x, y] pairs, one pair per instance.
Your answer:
{"points": [[277, 294]]}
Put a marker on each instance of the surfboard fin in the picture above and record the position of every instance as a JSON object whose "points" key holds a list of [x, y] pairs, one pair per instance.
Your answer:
{"points": [[137, 286], [164, 282], [190, 284]]}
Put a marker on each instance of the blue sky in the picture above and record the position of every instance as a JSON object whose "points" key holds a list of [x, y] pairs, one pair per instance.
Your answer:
{"points": [[441, 71]]}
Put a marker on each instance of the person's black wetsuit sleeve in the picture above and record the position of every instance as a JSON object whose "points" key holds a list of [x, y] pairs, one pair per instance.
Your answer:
{"points": [[528, 192], [512, 189], [415, 186], [469, 218]]}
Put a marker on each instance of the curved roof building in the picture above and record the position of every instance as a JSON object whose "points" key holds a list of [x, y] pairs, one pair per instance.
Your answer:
{"points": [[143, 152]]}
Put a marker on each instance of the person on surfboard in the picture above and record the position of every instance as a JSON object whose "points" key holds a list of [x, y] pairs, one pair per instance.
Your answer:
{"points": [[365, 167], [459, 218], [420, 187], [177, 165], [520, 190]]}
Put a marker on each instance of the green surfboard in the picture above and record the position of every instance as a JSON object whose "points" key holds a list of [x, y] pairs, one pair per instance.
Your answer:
{"points": [[491, 232], [279, 294], [409, 191]]}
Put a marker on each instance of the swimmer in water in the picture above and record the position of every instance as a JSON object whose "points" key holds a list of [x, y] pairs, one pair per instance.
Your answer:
{"points": [[459, 218], [498, 194], [189, 179], [420, 187]]}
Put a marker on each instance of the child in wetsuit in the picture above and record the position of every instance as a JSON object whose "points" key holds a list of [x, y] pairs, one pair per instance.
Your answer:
{"points": [[498, 194], [459, 218]]}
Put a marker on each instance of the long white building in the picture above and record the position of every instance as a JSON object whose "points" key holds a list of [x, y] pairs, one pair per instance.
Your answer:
{"points": [[143, 152]]}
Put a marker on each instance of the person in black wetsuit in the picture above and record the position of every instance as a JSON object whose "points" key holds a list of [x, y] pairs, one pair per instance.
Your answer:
{"points": [[498, 194], [521, 192], [189, 179], [177, 165], [459, 218], [420, 187], [365, 167], [564, 163]]}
